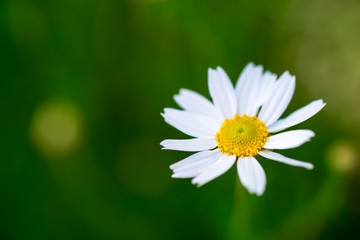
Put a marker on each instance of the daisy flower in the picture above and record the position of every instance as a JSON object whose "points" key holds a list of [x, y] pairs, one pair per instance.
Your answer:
{"points": [[240, 124]]}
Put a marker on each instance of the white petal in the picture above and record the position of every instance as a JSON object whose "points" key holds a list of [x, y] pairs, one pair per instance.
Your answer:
{"points": [[252, 94], [243, 85], [223, 164], [192, 124], [290, 139], [275, 107], [222, 92], [298, 116], [190, 145], [247, 88], [280, 158], [265, 91], [200, 162], [193, 158], [197, 167], [196, 103], [189, 173], [251, 175]]}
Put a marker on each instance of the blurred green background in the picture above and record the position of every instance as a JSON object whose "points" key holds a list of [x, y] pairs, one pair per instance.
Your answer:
{"points": [[83, 85]]}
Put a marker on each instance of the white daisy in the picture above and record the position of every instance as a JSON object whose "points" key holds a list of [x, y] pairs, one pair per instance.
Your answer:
{"points": [[238, 126]]}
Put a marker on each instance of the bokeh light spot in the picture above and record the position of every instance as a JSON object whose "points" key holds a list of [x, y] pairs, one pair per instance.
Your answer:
{"points": [[56, 128], [342, 157]]}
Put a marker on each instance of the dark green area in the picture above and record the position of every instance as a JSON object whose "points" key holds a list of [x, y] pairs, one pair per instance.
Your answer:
{"points": [[110, 67]]}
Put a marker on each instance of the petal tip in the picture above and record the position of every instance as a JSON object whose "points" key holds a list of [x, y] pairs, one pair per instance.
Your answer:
{"points": [[218, 68], [194, 181], [250, 64], [310, 166], [259, 194]]}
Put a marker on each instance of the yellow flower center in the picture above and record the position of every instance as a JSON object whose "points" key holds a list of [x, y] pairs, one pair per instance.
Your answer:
{"points": [[242, 136]]}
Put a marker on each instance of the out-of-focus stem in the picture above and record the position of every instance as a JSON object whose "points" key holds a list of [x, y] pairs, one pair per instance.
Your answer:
{"points": [[240, 222]]}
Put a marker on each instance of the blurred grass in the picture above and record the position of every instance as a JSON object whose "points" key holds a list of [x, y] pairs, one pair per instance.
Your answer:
{"points": [[117, 64]]}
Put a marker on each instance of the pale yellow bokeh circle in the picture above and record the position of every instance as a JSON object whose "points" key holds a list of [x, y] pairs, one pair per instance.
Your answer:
{"points": [[55, 128], [342, 157]]}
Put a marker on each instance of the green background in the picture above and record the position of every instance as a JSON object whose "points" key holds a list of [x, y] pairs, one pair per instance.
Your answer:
{"points": [[83, 84]]}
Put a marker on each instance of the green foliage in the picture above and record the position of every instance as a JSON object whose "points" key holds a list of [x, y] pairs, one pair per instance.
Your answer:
{"points": [[106, 69]]}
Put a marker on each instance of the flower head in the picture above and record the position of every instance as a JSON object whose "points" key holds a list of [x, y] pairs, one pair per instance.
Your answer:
{"points": [[237, 126]]}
